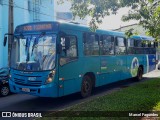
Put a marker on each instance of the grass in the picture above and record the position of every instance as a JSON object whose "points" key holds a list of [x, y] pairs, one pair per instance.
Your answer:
{"points": [[144, 96]]}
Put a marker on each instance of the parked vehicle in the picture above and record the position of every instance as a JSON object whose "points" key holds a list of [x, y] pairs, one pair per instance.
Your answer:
{"points": [[4, 86]]}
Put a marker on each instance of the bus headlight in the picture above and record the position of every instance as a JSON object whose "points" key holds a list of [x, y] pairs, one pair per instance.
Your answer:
{"points": [[50, 77]]}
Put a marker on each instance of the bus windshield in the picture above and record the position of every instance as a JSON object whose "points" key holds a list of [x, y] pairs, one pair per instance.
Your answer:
{"points": [[33, 52]]}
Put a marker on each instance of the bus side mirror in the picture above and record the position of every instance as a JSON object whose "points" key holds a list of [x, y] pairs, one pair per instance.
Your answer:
{"points": [[5, 41]]}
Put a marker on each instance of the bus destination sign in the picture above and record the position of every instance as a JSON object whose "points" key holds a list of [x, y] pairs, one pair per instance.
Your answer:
{"points": [[37, 27]]}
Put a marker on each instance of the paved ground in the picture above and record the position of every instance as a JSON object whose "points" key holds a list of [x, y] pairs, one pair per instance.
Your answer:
{"points": [[153, 74]]}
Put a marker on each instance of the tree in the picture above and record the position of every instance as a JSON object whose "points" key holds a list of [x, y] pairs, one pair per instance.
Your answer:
{"points": [[148, 14], [145, 11], [96, 9]]}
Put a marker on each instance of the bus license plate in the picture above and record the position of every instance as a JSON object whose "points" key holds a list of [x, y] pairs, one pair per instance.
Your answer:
{"points": [[25, 89]]}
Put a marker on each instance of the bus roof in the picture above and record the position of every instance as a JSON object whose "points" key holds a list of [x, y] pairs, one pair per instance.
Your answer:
{"points": [[140, 37], [56, 25], [85, 28]]}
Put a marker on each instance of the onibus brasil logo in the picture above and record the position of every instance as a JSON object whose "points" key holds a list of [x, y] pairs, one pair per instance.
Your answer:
{"points": [[134, 67]]}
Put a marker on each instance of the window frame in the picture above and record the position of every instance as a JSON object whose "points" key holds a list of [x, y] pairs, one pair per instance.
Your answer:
{"points": [[130, 42], [125, 45], [62, 57], [100, 40], [84, 42]]}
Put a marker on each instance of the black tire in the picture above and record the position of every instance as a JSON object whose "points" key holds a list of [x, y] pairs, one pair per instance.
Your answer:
{"points": [[4, 90], [86, 87], [139, 74]]}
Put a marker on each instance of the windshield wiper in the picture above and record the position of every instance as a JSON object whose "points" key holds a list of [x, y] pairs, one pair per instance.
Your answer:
{"points": [[36, 41], [27, 49], [34, 44]]}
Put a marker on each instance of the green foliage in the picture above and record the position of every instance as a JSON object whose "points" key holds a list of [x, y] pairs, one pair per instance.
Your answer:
{"points": [[129, 33], [145, 11], [148, 15], [141, 97], [96, 9], [144, 96]]}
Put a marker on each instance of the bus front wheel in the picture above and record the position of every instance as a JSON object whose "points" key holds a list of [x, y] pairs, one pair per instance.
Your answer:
{"points": [[86, 87]]}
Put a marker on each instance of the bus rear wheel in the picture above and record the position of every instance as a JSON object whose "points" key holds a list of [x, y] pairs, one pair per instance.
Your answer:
{"points": [[86, 87], [139, 74]]}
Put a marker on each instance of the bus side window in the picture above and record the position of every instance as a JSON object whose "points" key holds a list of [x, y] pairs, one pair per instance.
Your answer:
{"points": [[91, 44], [156, 44], [139, 43], [139, 47], [120, 48], [69, 49], [106, 45], [149, 44], [131, 44]]}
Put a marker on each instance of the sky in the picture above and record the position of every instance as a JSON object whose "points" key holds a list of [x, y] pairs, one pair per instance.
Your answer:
{"points": [[114, 21]]}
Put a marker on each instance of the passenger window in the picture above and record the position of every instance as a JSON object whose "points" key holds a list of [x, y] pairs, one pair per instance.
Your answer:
{"points": [[69, 49], [145, 44], [120, 48], [106, 45], [139, 43], [156, 44], [91, 44], [152, 44], [130, 42]]}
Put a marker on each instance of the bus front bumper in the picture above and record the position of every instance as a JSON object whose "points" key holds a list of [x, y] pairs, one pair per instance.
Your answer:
{"points": [[49, 90]]}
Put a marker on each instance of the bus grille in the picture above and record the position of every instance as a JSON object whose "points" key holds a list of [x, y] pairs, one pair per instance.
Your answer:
{"points": [[27, 82]]}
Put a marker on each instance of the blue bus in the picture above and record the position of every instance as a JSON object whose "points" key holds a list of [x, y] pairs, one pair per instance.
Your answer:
{"points": [[53, 59]]}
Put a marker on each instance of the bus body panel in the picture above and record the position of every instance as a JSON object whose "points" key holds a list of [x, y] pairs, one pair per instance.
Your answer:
{"points": [[91, 65], [109, 69], [34, 82], [70, 78], [49, 90], [152, 60]]}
